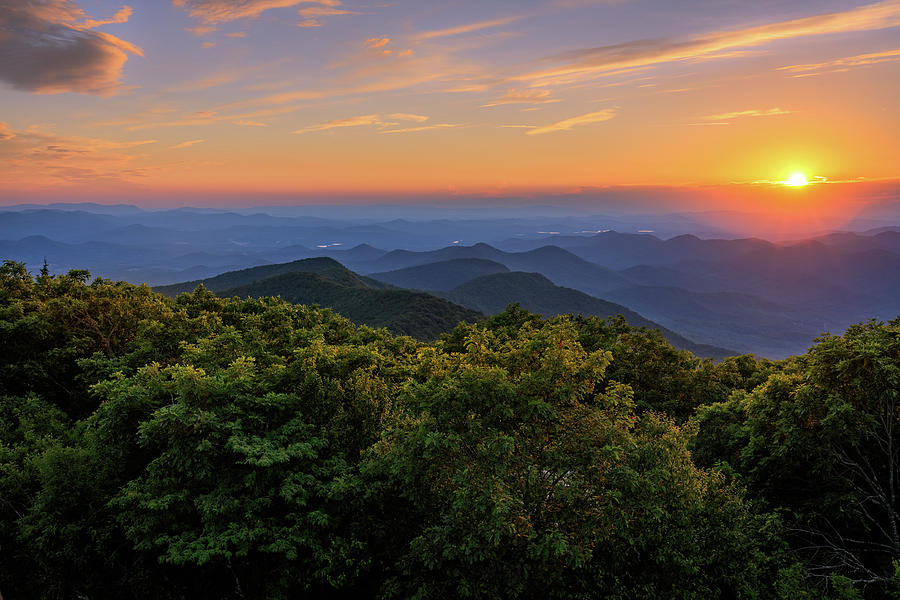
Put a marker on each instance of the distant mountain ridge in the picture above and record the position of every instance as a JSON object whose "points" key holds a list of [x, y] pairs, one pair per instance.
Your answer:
{"points": [[559, 265], [440, 276], [532, 291]]}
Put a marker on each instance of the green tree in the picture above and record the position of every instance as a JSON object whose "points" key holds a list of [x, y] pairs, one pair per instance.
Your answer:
{"points": [[821, 439], [519, 473]]}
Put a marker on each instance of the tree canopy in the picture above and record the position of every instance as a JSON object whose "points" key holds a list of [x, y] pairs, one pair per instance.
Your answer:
{"points": [[201, 447]]}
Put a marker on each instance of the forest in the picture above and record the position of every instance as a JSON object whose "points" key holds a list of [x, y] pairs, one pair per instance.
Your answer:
{"points": [[207, 447]]}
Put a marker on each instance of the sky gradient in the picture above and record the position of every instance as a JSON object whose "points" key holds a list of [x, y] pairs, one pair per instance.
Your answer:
{"points": [[280, 99]]}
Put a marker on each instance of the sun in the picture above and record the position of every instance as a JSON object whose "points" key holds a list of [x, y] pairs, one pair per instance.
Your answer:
{"points": [[796, 180]]}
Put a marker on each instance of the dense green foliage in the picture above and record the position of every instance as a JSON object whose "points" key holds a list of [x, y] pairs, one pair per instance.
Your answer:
{"points": [[199, 447]]}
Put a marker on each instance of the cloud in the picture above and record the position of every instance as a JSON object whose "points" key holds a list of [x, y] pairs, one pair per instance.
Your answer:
{"points": [[34, 157], [588, 63], [201, 30], [380, 121], [843, 64], [213, 12], [204, 83], [236, 34], [325, 8], [438, 71], [468, 28], [420, 128], [49, 47], [5, 132], [769, 112], [148, 119], [121, 16], [567, 124], [350, 122], [377, 42], [186, 144], [246, 123], [514, 96], [408, 117]]}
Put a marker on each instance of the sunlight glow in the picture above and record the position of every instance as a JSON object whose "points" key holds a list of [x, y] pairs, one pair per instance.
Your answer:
{"points": [[796, 180]]}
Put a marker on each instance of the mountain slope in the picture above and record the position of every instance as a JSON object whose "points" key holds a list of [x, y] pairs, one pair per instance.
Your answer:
{"points": [[534, 292], [444, 275], [326, 282], [560, 266]]}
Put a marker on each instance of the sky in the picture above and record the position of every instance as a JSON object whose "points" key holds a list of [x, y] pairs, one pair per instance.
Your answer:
{"points": [[703, 104]]}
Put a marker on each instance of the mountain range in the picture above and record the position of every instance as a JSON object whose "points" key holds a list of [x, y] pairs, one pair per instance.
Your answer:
{"points": [[743, 294]]}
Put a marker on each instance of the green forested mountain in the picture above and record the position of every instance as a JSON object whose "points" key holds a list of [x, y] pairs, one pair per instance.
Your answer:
{"points": [[403, 312], [491, 294], [233, 279], [206, 447], [326, 282]]}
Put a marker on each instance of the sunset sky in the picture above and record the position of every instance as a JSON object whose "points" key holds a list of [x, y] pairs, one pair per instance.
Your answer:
{"points": [[162, 99]]}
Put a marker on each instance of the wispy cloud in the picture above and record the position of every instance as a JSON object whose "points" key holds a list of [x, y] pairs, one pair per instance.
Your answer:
{"points": [[38, 157], [201, 30], [588, 63], [121, 16], [212, 13], [467, 28], [432, 71], [377, 42], [844, 64], [407, 117], [324, 8], [186, 144], [6, 133], [768, 112], [532, 96], [151, 119], [383, 122], [223, 11], [205, 83], [348, 122], [567, 124], [421, 128], [50, 47]]}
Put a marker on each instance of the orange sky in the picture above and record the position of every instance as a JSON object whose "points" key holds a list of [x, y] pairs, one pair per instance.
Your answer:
{"points": [[300, 100]]}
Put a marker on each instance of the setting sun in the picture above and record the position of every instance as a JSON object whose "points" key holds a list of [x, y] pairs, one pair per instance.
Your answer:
{"points": [[796, 180]]}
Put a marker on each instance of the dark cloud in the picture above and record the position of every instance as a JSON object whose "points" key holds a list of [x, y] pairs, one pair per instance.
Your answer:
{"points": [[48, 47]]}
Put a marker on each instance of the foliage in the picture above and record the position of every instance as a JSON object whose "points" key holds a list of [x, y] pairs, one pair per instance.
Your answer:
{"points": [[821, 439], [197, 447]]}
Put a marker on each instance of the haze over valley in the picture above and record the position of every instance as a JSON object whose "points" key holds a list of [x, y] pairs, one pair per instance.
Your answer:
{"points": [[721, 293]]}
